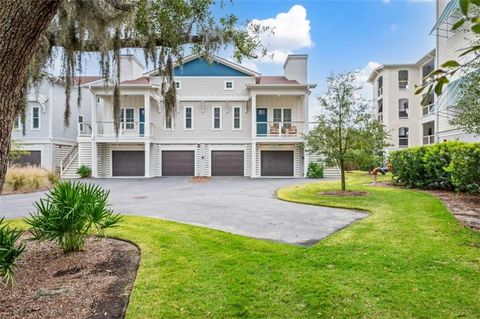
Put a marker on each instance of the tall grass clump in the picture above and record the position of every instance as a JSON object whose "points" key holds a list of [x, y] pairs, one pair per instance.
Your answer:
{"points": [[24, 179]]}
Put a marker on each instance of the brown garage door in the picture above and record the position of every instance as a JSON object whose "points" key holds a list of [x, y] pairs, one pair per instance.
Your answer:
{"points": [[128, 163], [227, 163], [32, 158], [277, 163], [178, 163]]}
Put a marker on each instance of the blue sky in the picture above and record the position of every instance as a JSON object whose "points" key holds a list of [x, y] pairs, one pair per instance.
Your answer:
{"points": [[348, 34]]}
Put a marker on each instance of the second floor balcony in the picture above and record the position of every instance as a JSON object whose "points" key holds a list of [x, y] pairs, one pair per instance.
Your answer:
{"points": [[107, 129], [273, 129]]}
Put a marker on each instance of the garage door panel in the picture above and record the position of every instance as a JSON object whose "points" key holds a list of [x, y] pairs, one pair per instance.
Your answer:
{"points": [[128, 163], [32, 158], [227, 163], [178, 163], [277, 163]]}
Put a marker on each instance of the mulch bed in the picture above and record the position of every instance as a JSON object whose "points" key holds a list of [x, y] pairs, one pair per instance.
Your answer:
{"points": [[95, 283], [465, 207], [344, 193]]}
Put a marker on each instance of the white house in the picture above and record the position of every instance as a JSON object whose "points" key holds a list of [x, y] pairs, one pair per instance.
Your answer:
{"points": [[44, 134], [229, 121]]}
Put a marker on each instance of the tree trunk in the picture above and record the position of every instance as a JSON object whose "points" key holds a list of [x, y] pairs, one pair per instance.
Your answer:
{"points": [[342, 175], [22, 23]]}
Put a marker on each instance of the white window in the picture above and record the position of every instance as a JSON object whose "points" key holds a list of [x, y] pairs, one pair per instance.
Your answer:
{"points": [[35, 118], [217, 118], [168, 125], [188, 110], [403, 80], [403, 108], [80, 123], [178, 85], [127, 118], [403, 137], [380, 86], [229, 85], [237, 118], [16, 123]]}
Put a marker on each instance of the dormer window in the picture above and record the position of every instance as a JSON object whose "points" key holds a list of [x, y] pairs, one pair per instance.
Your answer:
{"points": [[228, 85], [178, 85]]}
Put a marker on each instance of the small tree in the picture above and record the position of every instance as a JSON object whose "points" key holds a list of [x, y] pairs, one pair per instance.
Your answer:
{"points": [[345, 130]]}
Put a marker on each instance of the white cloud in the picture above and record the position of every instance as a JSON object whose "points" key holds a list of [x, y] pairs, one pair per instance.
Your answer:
{"points": [[362, 79], [291, 32]]}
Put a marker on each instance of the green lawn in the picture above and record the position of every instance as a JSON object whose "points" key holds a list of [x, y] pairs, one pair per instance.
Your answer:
{"points": [[408, 259]]}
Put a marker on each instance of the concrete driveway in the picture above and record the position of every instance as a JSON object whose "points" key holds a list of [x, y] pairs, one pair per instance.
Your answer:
{"points": [[237, 205]]}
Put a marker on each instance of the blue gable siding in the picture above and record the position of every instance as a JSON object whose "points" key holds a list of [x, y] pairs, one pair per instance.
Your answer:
{"points": [[201, 67]]}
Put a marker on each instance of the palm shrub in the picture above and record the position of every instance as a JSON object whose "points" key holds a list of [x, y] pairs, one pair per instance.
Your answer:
{"points": [[84, 171], [70, 213], [10, 251]]}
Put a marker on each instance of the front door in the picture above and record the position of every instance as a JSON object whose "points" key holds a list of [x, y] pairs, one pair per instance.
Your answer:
{"points": [[262, 122], [142, 121]]}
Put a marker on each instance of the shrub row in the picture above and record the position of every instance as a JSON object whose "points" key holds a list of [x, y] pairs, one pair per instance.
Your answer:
{"points": [[448, 165]]}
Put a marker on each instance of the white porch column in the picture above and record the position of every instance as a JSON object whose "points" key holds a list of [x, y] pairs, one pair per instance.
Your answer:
{"points": [[306, 121], [253, 165], [147, 159], [94, 159], [94, 115], [147, 124]]}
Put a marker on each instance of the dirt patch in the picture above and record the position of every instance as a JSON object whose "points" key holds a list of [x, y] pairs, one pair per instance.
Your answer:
{"points": [[465, 207], [344, 193], [200, 179], [95, 283]]}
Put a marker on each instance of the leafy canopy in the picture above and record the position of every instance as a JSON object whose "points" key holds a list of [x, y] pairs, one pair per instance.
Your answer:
{"points": [[163, 29]]}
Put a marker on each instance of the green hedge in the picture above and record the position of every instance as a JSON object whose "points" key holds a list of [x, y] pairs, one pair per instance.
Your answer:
{"points": [[448, 165]]}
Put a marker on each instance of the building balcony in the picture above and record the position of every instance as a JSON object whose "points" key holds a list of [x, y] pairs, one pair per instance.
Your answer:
{"points": [[287, 130], [127, 130], [427, 109], [428, 139]]}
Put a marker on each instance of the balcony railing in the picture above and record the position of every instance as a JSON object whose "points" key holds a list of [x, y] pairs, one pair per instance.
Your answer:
{"points": [[107, 129], [428, 139], [427, 109], [280, 129]]}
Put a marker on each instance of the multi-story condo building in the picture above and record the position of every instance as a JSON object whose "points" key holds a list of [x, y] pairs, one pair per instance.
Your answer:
{"points": [[44, 134], [397, 105], [228, 121]]}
